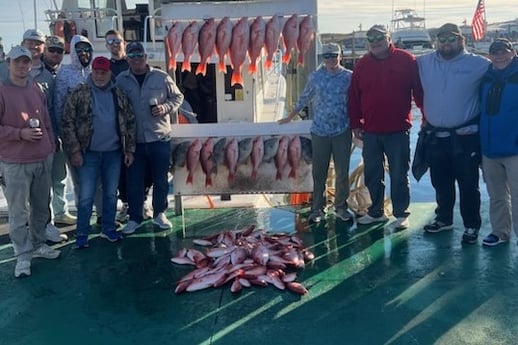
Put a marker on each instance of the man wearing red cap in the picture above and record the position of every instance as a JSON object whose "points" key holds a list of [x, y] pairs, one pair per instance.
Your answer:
{"points": [[98, 127]]}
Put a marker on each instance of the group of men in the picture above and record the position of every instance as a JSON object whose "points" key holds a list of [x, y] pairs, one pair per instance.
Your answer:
{"points": [[463, 126], [90, 118]]}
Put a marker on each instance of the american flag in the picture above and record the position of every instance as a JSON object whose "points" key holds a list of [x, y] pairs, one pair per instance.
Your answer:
{"points": [[478, 23]]}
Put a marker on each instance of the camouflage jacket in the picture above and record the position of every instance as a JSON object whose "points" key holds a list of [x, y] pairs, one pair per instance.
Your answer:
{"points": [[77, 125]]}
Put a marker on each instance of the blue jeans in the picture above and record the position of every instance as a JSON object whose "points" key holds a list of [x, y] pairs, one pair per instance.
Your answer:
{"points": [[105, 165], [155, 157]]}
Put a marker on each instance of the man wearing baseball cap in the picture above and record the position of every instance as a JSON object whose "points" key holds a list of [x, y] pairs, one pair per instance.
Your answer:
{"points": [[98, 129], [54, 53], [451, 79], [327, 89], [26, 148]]}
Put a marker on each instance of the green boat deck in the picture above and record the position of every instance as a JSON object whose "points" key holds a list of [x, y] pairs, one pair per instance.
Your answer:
{"points": [[367, 285]]}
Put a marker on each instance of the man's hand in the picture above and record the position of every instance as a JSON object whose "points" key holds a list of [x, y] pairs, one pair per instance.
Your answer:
{"points": [[31, 134], [358, 133], [76, 159], [128, 159]]}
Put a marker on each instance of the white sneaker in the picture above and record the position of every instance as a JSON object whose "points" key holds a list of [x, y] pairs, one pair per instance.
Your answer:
{"points": [[122, 215], [147, 212], [45, 252], [162, 221], [130, 228], [367, 219], [53, 234], [23, 268], [402, 223]]}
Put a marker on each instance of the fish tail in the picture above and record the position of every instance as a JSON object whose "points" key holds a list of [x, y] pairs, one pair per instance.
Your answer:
{"points": [[268, 64], [189, 178], [201, 69], [254, 174], [186, 65], [252, 68], [221, 67], [237, 78], [292, 174], [230, 177], [172, 63], [300, 60], [278, 176], [286, 57], [208, 181]]}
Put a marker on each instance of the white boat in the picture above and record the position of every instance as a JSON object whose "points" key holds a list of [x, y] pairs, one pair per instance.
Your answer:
{"points": [[263, 97], [408, 31]]}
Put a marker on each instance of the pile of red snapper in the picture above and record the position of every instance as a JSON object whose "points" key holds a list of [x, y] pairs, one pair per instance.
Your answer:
{"points": [[244, 258]]}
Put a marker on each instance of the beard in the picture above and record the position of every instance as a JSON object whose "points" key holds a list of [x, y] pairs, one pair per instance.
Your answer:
{"points": [[449, 52]]}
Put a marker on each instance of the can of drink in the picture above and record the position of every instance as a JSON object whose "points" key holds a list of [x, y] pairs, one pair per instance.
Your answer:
{"points": [[34, 122], [153, 102]]}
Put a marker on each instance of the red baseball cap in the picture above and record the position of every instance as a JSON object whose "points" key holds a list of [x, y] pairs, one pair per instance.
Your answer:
{"points": [[102, 63]]}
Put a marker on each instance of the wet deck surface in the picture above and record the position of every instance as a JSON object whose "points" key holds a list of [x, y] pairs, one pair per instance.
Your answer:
{"points": [[367, 285]]}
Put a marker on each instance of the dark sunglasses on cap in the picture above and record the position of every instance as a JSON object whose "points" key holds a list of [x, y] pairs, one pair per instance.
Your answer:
{"points": [[377, 38], [330, 55], [83, 50], [450, 39], [113, 41], [55, 50], [135, 55]]}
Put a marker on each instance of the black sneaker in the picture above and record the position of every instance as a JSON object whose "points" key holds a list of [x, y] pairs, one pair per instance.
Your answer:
{"points": [[437, 226], [470, 235], [316, 216]]}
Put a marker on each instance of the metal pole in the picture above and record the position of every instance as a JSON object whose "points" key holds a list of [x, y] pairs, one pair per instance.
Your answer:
{"points": [[35, 15]]}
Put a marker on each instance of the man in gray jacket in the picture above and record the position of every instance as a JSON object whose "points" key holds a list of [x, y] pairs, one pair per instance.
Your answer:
{"points": [[147, 86], [451, 78]]}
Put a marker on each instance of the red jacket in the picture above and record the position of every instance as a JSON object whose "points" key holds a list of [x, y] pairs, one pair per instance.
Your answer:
{"points": [[380, 94]]}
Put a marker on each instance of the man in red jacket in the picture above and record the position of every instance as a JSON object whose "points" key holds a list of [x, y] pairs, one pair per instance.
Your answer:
{"points": [[380, 98]]}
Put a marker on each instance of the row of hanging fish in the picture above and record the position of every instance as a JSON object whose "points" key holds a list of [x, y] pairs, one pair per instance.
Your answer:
{"points": [[238, 40], [244, 258], [283, 151]]}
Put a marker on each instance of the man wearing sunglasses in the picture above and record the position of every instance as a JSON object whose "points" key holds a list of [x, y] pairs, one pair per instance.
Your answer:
{"points": [[54, 53], [116, 46], [451, 79], [380, 100], [326, 89], [144, 84]]}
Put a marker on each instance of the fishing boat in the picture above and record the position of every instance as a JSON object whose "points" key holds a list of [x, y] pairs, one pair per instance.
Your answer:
{"points": [[408, 31]]}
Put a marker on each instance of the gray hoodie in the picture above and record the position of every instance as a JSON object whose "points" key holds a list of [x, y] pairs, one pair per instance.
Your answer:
{"points": [[68, 78], [451, 87]]}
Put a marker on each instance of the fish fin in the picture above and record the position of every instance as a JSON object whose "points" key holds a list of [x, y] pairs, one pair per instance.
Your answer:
{"points": [[201, 69], [268, 64], [237, 78], [186, 65]]}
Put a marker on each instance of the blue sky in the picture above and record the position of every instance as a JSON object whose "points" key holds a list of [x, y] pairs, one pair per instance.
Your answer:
{"points": [[334, 15]]}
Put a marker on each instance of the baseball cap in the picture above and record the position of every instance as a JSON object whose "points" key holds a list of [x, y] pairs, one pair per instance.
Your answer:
{"points": [[449, 29], [330, 48], [134, 46], [377, 29], [500, 44], [35, 35], [19, 51], [55, 42], [102, 63]]}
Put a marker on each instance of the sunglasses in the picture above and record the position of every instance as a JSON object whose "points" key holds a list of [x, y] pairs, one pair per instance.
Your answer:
{"points": [[330, 56], [83, 50], [135, 55], [55, 50], [449, 39], [113, 41], [376, 38]]}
